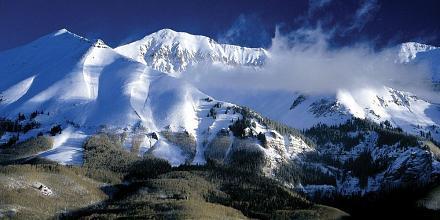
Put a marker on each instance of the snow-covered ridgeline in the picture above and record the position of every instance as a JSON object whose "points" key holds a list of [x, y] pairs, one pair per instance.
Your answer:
{"points": [[416, 53], [173, 52], [408, 51]]}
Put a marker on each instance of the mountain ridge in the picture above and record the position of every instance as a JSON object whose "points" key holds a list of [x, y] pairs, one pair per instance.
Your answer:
{"points": [[71, 88], [172, 52]]}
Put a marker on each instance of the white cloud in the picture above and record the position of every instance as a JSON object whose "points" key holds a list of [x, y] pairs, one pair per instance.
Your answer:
{"points": [[246, 29], [317, 4], [364, 14], [302, 61]]}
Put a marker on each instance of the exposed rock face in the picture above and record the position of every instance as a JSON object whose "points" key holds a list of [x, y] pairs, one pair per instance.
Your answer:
{"points": [[412, 167]]}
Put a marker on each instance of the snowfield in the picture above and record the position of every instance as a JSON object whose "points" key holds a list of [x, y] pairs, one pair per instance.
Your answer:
{"points": [[67, 147]]}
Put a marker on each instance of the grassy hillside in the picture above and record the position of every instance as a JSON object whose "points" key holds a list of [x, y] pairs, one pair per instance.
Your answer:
{"points": [[22, 198], [24, 149]]}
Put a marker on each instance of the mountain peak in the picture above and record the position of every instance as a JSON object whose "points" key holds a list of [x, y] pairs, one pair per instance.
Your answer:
{"points": [[166, 31], [172, 52], [61, 31], [170, 38], [65, 32], [64, 36], [408, 50], [100, 44]]}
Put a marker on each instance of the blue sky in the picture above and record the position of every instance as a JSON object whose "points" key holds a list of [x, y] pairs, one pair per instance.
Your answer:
{"points": [[244, 22]]}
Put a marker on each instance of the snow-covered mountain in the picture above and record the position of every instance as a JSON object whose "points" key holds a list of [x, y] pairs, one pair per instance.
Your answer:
{"points": [[172, 52], [135, 91], [87, 87], [402, 109], [412, 52], [79, 83], [378, 104], [408, 51]]}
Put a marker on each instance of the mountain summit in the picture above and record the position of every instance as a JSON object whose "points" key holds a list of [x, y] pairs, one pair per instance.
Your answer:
{"points": [[172, 52]]}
